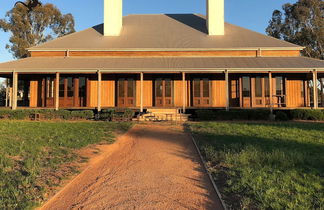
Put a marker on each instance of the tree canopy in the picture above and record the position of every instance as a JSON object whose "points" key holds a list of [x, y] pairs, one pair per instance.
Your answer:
{"points": [[30, 27], [301, 23]]}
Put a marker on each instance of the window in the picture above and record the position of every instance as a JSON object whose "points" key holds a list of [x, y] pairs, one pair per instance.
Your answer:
{"points": [[159, 88], [258, 87], [121, 88], [70, 86], [205, 88], [49, 87], [246, 87], [82, 87], [168, 88], [61, 87], [130, 88], [196, 88], [279, 86], [267, 87], [302, 83]]}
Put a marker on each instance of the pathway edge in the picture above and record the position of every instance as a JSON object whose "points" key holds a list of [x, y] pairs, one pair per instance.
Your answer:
{"points": [[209, 174]]}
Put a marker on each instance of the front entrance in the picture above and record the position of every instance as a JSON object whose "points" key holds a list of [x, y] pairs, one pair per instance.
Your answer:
{"points": [[163, 92], [261, 91], [201, 92], [72, 91], [246, 92], [49, 92], [126, 92]]}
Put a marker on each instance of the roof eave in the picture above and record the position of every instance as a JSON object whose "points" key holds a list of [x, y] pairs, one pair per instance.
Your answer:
{"points": [[163, 49]]}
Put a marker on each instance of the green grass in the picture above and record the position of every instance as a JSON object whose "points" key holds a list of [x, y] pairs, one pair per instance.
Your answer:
{"points": [[265, 165], [31, 153]]}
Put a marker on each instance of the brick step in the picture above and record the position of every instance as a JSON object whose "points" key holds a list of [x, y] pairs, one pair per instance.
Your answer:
{"points": [[164, 117], [166, 111]]}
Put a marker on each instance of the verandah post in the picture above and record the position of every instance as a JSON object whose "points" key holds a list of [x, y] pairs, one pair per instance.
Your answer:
{"points": [[315, 95], [270, 92], [14, 90], [57, 91], [184, 91], [227, 90], [142, 78], [99, 91]]}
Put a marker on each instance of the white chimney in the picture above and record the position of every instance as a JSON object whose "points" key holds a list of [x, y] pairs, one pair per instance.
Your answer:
{"points": [[215, 17], [113, 17]]}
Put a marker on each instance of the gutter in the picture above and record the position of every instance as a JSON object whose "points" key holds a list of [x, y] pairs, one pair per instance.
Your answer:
{"points": [[160, 70], [163, 49]]}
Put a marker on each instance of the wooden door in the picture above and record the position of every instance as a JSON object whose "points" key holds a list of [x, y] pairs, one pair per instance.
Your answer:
{"points": [[295, 93], [49, 91], [163, 93], [201, 92], [234, 92], [246, 91], [261, 91], [126, 92], [66, 92]]}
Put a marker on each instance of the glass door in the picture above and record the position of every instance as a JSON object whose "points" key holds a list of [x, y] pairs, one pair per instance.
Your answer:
{"points": [[163, 93], [49, 91], [246, 91], [201, 92], [126, 92], [66, 92]]}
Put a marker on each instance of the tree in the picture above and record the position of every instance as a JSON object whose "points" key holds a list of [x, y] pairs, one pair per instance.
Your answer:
{"points": [[33, 26], [2, 92], [301, 23]]}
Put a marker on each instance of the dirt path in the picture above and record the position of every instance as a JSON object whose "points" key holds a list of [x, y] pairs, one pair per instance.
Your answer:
{"points": [[151, 167]]}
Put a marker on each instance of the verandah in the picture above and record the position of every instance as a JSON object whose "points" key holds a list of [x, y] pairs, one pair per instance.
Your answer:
{"points": [[193, 90]]}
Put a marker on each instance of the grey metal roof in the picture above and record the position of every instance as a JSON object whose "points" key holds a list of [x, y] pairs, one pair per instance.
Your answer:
{"points": [[79, 64], [165, 32]]}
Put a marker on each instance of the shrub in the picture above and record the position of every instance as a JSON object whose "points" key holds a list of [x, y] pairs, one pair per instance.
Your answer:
{"points": [[19, 115], [4, 114], [258, 114], [86, 115], [307, 114], [205, 115], [253, 114], [315, 115], [46, 114], [110, 114], [106, 114], [124, 114], [14, 114], [281, 116]]}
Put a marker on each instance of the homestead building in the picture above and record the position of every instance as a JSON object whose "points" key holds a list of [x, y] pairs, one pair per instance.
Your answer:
{"points": [[183, 61]]}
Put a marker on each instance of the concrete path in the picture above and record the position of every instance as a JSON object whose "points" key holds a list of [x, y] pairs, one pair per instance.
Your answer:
{"points": [[151, 167]]}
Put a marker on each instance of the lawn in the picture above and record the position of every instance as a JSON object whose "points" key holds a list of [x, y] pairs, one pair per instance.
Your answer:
{"points": [[265, 165], [31, 153]]}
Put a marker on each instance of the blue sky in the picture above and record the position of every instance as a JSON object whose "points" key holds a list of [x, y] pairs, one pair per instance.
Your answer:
{"points": [[251, 14]]}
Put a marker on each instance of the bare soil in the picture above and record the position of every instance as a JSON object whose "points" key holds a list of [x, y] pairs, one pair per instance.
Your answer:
{"points": [[150, 167]]}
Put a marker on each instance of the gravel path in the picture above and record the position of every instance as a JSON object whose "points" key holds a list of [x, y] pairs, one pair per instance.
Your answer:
{"points": [[151, 167]]}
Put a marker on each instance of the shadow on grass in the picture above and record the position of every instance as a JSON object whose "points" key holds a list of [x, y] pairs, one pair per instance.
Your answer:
{"points": [[296, 148], [318, 126]]}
